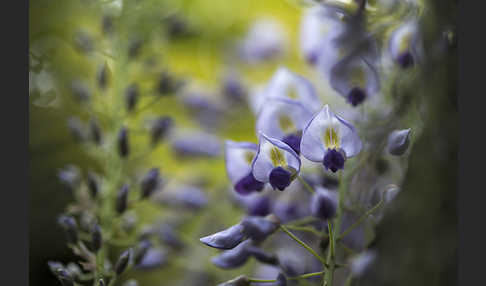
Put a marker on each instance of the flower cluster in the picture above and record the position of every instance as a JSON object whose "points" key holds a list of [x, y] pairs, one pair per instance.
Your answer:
{"points": [[297, 131]]}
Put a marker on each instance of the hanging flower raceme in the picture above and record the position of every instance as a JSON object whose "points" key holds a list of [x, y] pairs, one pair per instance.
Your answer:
{"points": [[330, 140], [334, 32], [286, 84], [284, 119], [276, 163], [405, 45], [355, 78], [239, 157]]}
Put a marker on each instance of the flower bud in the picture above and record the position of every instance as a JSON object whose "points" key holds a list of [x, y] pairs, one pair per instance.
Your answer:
{"points": [[170, 237], [259, 228], [93, 184], [149, 183], [141, 251], [131, 96], [103, 76], [159, 129], [77, 129], [226, 239], [101, 282], [123, 145], [70, 228], [122, 262], [238, 281], [121, 199], [54, 266], [70, 176], [96, 238], [323, 204], [168, 84], [233, 258], [95, 131], [398, 141]]}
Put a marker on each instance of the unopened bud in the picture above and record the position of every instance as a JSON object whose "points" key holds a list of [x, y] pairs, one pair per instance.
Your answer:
{"points": [[131, 96], [149, 183], [121, 199], [122, 262], [123, 145], [96, 238], [398, 141], [70, 228]]}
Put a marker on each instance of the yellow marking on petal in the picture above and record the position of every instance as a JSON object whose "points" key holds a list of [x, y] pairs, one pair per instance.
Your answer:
{"points": [[249, 156], [292, 92], [331, 139], [277, 157], [357, 76], [286, 124], [405, 43]]}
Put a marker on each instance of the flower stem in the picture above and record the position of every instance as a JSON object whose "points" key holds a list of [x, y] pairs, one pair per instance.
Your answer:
{"points": [[303, 276], [360, 220], [307, 247], [305, 184], [308, 229]]}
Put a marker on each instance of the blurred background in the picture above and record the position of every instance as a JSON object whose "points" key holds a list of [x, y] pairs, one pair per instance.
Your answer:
{"points": [[83, 56]]}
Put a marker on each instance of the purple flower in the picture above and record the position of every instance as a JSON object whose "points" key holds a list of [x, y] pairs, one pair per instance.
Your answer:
{"points": [[238, 157], [286, 84], [225, 239], [405, 45], [330, 140], [355, 78], [284, 119], [265, 40], [233, 258], [398, 141], [275, 162], [323, 204]]}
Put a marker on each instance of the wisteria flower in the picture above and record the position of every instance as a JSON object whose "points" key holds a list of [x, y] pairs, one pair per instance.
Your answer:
{"points": [[284, 119], [287, 84], [329, 139], [239, 157], [275, 162], [266, 40], [346, 35], [355, 78], [405, 45], [316, 30]]}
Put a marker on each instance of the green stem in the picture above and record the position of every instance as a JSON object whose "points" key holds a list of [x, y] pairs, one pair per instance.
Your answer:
{"points": [[305, 184], [329, 278], [308, 229], [360, 220], [303, 276], [308, 248]]}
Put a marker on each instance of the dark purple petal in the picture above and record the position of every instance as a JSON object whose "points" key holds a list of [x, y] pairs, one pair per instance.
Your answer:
{"points": [[248, 184], [259, 228], [280, 178], [333, 160], [260, 206], [323, 205], [293, 140], [233, 258], [356, 96]]}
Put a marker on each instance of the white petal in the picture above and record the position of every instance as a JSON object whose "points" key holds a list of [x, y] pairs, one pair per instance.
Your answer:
{"points": [[313, 145], [263, 163], [285, 83], [237, 158], [281, 116]]}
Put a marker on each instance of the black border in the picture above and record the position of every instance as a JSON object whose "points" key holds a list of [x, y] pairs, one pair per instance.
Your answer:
{"points": [[15, 130]]}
